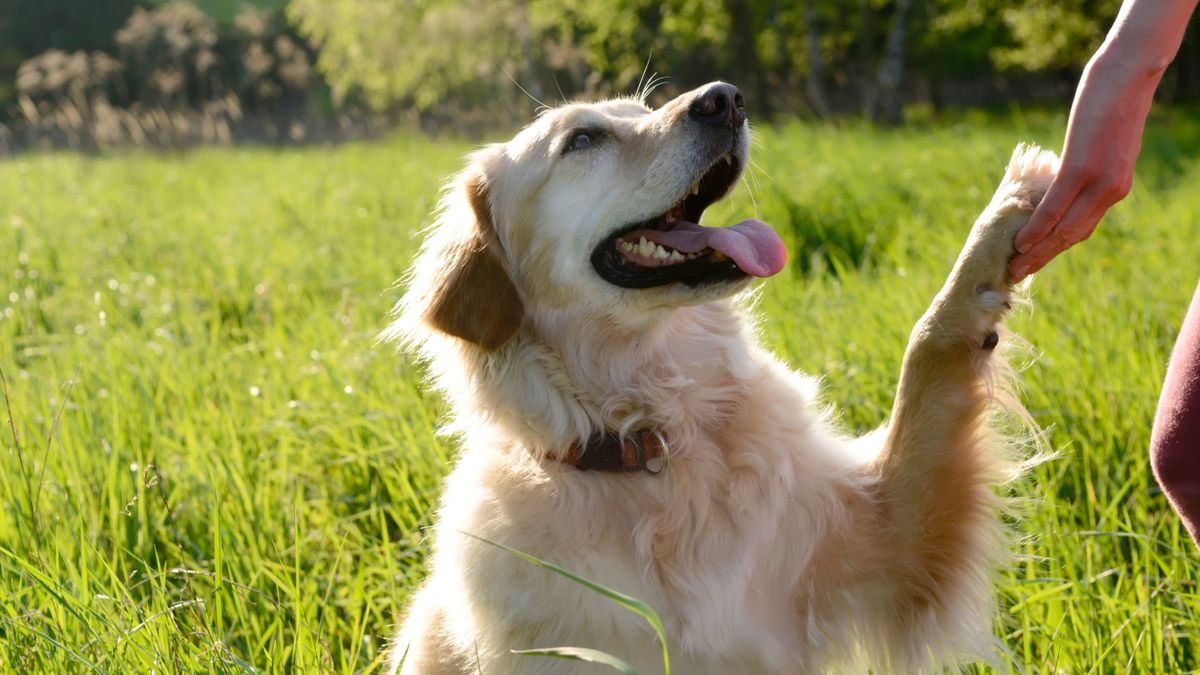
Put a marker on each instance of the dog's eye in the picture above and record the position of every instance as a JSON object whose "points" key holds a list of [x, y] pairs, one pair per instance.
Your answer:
{"points": [[581, 139]]}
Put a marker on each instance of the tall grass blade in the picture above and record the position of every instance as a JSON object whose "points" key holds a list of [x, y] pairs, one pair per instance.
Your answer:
{"points": [[628, 602], [581, 654]]}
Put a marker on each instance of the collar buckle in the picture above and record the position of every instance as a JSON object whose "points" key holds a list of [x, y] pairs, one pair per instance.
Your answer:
{"points": [[645, 450]]}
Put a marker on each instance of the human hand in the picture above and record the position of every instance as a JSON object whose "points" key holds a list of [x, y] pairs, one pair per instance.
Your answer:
{"points": [[1104, 137]]}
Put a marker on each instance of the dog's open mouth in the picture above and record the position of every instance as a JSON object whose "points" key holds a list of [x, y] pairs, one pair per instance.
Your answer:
{"points": [[674, 248]]}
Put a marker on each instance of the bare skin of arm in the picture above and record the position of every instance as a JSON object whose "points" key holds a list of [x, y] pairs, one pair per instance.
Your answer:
{"points": [[1104, 133]]}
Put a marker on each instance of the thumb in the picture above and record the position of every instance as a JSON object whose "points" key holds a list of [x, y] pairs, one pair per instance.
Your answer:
{"points": [[1047, 214]]}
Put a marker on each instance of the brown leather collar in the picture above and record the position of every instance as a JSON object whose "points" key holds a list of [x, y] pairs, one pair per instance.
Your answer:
{"points": [[641, 451]]}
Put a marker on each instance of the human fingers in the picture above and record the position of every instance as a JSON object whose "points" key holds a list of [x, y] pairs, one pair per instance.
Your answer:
{"points": [[1054, 241], [1071, 231], [1060, 197]]}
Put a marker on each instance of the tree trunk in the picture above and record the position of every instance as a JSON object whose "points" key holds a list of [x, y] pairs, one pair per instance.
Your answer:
{"points": [[782, 75], [884, 107], [865, 57], [814, 85], [745, 46], [1187, 68]]}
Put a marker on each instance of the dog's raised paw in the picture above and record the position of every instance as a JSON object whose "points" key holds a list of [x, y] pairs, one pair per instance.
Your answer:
{"points": [[984, 260]]}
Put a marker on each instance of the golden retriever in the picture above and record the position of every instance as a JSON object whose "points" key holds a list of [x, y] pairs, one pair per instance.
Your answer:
{"points": [[619, 418]]}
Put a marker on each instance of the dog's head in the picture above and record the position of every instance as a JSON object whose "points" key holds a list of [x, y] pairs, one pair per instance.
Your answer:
{"points": [[594, 207]]}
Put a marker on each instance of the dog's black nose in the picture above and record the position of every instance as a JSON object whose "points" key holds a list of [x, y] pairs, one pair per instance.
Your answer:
{"points": [[720, 104]]}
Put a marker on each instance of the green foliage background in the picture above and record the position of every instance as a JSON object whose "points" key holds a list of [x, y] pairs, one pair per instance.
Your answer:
{"points": [[456, 61], [556, 48], [214, 466]]}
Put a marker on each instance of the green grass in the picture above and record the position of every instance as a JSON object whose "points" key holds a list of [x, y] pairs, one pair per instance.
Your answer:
{"points": [[216, 468]]}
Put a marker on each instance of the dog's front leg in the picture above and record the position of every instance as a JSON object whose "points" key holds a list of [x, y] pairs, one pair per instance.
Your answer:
{"points": [[940, 459]]}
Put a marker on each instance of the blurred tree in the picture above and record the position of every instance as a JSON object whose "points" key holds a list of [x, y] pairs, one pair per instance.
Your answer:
{"points": [[226, 12], [276, 74], [623, 38], [745, 24], [464, 61], [171, 52], [1183, 79], [60, 81], [417, 52], [1053, 33], [958, 43], [814, 80], [570, 47], [30, 27], [883, 103]]}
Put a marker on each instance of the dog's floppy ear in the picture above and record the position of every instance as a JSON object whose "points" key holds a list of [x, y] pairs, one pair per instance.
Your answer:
{"points": [[474, 297]]}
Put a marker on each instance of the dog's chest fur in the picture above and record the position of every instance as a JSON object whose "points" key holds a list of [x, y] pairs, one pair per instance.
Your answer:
{"points": [[707, 542]]}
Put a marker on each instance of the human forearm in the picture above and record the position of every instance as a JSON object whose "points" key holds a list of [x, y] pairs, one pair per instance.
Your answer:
{"points": [[1145, 37], [1104, 133]]}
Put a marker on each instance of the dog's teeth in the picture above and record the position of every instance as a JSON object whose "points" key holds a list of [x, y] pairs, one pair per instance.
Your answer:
{"points": [[626, 246], [696, 188], [644, 247], [676, 256], [729, 158], [717, 255], [692, 255], [660, 252]]}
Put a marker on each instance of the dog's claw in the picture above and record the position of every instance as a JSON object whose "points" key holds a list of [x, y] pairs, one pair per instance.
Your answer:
{"points": [[991, 340]]}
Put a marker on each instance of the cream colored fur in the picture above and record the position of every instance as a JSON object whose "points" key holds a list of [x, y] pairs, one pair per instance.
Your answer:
{"points": [[773, 543]]}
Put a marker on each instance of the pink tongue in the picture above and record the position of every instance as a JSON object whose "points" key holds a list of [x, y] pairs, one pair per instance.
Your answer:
{"points": [[751, 244]]}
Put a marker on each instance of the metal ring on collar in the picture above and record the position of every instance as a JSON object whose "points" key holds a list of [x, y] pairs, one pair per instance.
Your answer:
{"points": [[666, 455]]}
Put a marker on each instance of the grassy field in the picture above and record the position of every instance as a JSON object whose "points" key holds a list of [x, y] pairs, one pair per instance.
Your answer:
{"points": [[213, 466]]}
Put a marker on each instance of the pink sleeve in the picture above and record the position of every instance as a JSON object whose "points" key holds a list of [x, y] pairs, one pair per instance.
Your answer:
{"points": [[1175, 439]]}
